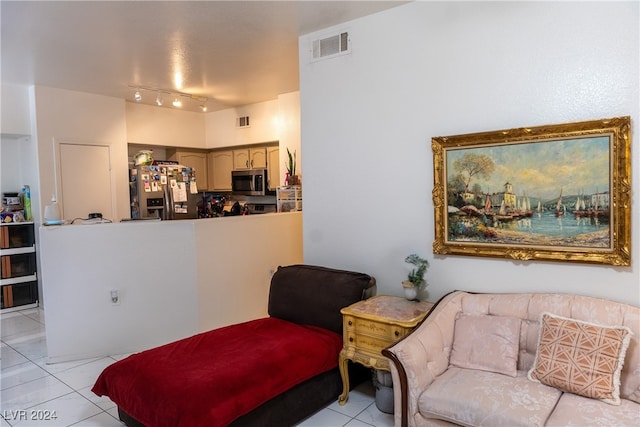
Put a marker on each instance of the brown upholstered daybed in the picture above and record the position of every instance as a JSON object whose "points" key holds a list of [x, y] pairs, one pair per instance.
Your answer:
{"points": [[274, 371]]}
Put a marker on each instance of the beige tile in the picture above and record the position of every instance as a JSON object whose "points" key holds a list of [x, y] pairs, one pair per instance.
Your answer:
{"points": [[10, 357], [103, 419], [33, 393], [62, 411], [20, 374], [84, 375], [325, 417]]}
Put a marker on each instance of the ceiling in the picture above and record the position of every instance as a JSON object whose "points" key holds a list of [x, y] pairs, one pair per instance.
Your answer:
{"points": [[230, 52]]}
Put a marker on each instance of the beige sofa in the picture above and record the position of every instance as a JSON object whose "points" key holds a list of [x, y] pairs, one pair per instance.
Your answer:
{"points": [[433, 389]]}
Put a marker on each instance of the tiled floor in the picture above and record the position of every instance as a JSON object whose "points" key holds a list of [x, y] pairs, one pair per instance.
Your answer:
{"points": [[33, 391]]}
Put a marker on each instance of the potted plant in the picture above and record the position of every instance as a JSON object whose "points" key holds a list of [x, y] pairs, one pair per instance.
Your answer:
{"points": [[415, 279], [292, 178]]}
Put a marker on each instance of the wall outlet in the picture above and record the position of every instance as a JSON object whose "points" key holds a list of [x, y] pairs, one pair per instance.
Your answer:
{"points": [[115, 297]]}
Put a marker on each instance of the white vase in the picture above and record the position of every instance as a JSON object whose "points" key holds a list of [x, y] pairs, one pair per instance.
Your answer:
{"points": [[411, 293], [51, 211]]}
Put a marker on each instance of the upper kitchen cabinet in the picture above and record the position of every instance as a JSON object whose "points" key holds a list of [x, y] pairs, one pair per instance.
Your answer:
{"points": [[196, 160], [250, 158], [220, 167], [240, 159], [148, 124], [273, 167]]}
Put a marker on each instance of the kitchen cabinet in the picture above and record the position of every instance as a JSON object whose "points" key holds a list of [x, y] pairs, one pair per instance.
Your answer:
{"points": [[196, 160], [250, 158], [273, 167], [220, 165], [19, 281]]}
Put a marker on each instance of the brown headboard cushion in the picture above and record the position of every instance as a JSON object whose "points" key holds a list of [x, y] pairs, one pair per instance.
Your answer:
{"points": [[314, 295]]}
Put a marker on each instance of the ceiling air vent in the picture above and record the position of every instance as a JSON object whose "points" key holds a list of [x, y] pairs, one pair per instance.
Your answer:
{"points": [[242, 122], [338, 44]]}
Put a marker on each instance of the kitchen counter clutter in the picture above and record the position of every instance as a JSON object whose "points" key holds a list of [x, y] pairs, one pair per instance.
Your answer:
{"points": [[289, 198], [19, 281], [170, 279]]}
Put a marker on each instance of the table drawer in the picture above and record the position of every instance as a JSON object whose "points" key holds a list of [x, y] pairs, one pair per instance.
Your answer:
{"points": [[390, 333], [366, 343]]}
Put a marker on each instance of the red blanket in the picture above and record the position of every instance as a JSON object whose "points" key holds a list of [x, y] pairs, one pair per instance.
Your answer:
{"points": [[212, 378]]}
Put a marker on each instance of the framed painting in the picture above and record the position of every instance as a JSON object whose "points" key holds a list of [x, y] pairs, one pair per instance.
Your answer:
{"points": [[559, 192]]}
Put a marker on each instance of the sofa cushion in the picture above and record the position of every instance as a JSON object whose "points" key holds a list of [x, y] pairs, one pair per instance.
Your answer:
{"points": [[313, 295], [488, 343], [212, 378], [471, 397], [581, 357], [574, 410]]}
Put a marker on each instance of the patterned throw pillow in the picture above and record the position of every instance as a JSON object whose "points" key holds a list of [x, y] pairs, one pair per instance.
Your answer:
{"points": [[486, 343], [581, 357]]}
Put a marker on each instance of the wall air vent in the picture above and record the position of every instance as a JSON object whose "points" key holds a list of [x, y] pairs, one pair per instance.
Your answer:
{"points": [[328, 47], [242, 122]]}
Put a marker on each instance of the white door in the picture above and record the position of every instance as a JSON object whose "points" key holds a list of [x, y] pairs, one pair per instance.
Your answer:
{"points": [[85, 178]]}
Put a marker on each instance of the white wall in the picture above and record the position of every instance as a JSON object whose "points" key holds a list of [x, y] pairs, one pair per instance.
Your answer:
{"points": [[236, 259], [78, 117], [11, 158], [444, 68], [221, 129], [18, 150], [174, 279], [289, 131], [14, 106], [151, 265], [277, 120], [149, 124]]}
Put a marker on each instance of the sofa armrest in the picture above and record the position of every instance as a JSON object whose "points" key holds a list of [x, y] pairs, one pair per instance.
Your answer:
{"points": [[421, 356]]}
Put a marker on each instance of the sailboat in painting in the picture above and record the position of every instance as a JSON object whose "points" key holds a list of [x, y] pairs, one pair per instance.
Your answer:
{"points": [[560, 208], [580, 209]]}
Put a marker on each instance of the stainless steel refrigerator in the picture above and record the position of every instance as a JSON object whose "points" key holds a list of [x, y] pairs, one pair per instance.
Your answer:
{"points": [[165, 191]]}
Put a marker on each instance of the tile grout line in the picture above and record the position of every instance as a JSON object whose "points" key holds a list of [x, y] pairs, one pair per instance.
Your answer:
{"points": [[41, 364], [73, 391], [33, 362]]}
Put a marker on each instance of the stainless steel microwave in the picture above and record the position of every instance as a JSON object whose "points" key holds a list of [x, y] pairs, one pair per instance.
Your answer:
{"points": [[251, 182]]}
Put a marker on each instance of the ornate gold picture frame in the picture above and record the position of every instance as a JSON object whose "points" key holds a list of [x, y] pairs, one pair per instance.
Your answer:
{"points": [[559, 192]]}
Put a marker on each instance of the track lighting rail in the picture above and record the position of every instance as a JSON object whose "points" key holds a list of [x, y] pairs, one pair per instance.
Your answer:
{"points": [[175, 94]]}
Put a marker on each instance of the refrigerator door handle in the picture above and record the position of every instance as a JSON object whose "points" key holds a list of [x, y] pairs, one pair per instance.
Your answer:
{"points": [[167, 212]]}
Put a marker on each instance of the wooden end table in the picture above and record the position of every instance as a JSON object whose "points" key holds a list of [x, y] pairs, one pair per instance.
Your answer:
{"points": [[372, 325]]}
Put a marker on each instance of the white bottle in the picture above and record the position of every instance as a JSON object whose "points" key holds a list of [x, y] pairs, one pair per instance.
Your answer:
{"points": [[51, 211]]}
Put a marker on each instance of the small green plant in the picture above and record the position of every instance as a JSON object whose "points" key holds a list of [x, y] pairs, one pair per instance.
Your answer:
{"points": [[291, 166], [416, 275]]}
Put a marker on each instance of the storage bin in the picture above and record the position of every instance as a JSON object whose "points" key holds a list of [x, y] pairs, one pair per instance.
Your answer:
{"points": [[289, 198]]}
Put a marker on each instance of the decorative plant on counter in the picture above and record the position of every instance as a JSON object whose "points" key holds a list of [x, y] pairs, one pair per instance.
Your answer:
{"points": [[291, 167], [415, 279], [292, 178]]}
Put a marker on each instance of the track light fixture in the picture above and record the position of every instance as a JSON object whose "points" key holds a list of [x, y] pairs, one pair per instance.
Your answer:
{"points": [[176, 95]]}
